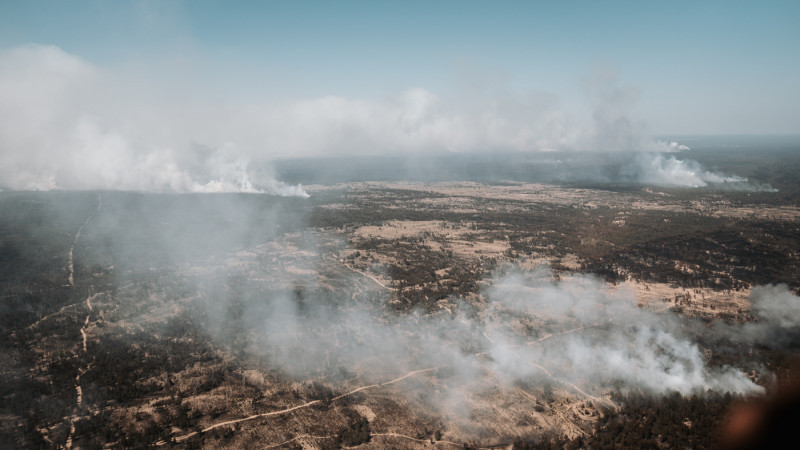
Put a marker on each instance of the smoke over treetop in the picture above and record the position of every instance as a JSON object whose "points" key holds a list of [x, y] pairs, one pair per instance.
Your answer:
{"points": [[590, 339], [68, 124]]}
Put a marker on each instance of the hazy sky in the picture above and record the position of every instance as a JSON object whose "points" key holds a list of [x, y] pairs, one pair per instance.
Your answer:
{"points": [[701, 67]]}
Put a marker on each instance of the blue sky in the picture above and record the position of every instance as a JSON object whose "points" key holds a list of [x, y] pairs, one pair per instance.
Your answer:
{"points": [[697, 67]]}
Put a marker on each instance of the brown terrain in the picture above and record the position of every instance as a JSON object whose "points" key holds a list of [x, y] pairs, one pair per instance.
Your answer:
{"points": [[168, 354]]}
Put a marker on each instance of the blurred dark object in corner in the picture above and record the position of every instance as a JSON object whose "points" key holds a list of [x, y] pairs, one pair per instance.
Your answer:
{"points": [[772, 421]]}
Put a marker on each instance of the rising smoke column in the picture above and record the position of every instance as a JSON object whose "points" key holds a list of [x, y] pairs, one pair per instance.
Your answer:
{"points": [[589, 339], [666, 170], [777, 313], [67, 124], [615, 342]]}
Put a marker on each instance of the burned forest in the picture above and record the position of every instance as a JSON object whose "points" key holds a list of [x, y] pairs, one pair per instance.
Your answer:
{"points": [[421, 313]]}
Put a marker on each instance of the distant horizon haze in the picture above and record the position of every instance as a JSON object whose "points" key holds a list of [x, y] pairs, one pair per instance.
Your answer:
{"points": [[684, 67]]}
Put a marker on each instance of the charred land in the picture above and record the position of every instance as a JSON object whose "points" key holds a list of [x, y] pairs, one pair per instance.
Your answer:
{"points": [[388, 309]]}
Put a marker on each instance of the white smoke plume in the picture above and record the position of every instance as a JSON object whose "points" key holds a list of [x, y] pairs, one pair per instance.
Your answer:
{"points": [[615, 341], [777, 313], [587, 339], [66, 123], [776, 306], [672, 146], [667, 170]]}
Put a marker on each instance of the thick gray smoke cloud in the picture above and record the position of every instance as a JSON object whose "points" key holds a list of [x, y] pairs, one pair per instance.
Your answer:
{"points": [[777, 313], [616, 341], [776, 306], [664, 170], [667, 170], [576, 334], [66, 123]]}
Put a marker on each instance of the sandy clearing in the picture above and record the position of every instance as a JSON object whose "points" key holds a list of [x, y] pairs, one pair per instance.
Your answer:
{"points": [[458, 238]]}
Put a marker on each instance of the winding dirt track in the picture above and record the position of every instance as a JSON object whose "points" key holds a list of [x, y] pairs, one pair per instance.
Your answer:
{"points": [[303, 436], [70, 264], [377, 281], [397, 435], [244, 419], [385, 383], [371, 386], [427, 441], [591, 325], [81, 371], [294, 408], [574, 428], [567, 383], [663, 309], [78, 389]]}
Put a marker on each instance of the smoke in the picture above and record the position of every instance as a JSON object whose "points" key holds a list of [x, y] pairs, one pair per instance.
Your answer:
{"points": [[669, 171], [672, 146], [614, 131], [613, 128], [66, 123], [776, 306], [607, 340], [576, 334], [777, 313], [666, 170]]}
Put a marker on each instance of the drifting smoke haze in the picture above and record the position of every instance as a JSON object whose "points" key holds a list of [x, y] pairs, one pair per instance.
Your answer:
{"points": [[776, 307], [69, 124], [369, 225], [596, 339], [668, 171], [777, 318], [624, 344]]}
